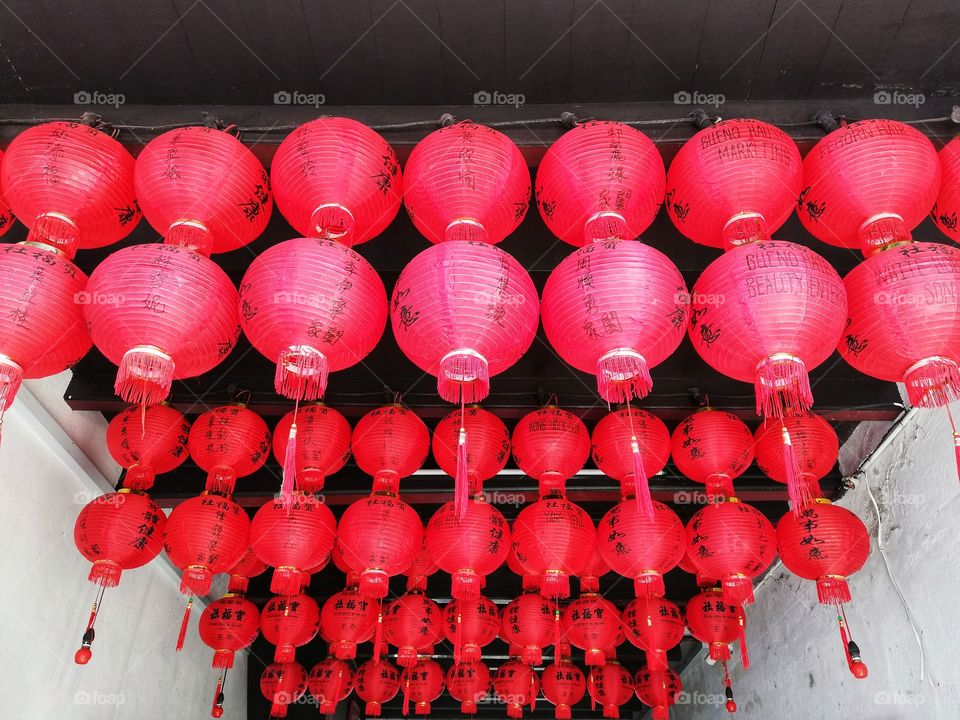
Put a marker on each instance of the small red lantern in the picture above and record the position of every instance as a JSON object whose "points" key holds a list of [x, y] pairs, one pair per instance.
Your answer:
{"points": [[471, 463], [282, 684], [289, 621], [422, 684], [470, 624], [551, 446], [422, 568], [390, 443], [330, 681], [229, 625], [611, 686], [945, 210], [146, 440], [591, 573], [717, 623], [659, 690], [412, 623], [803, 446], [655, 625], [320, 446], [246, 567], [530, 623], [376, 683], [712, 447], [229, 442], [466, 182], [468, 682], [347, 619], [516, 684], [592, 624], [564, 686]]}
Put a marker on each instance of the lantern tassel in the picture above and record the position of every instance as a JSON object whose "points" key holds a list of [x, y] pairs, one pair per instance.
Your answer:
{"points": [[782, 386], [611, 711], [286, 581], [406, 697], [719, 487], [593, 696], [533, 691], [933, 382], [184, 624], [221, 479], [461, 482], [105, 573], [144, 375], [216, 711], [641, 485], [531, 655], [649, 584], [84, 653], [557, 636], [289, 467], [851, 650], [744, 655], [378, 635], [738, 589], [720, 651], [372, 709], [622, 374], [562, 712], [278, 710], [798, 488], [458, 639], [463, 376], [302, 373], [833, 590], [728, 690], [466, 585]]}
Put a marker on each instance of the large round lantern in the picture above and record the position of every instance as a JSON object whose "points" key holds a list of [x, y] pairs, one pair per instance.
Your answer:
{"points": [[554, 538], [160, 313], [470, 624], [312, 307], [551, 446], [413, 624], [468, 682], [292, 538], [659, 689], [335, 178], [229, 625], [330, 681], [71, 185], [202, 188], [376, 683], [380, 536], [600, 180], [733, 182], [282, 684], [591, 573], [245, 568], [477, 461], [466, 182], [946, 211], [321, 445], [712, 447], [390, 443], [591, 623], [610, 686], [469, 547], [654, 625], [804, 444], [733, 542], [516, 684], [530, 623], [422, 568], [422, 684], [42, 330], [229, 442], [563, 685], [347, 619], [717, 623], [289, 621], [868, 184], [146, 440], [616, 309], [639, 547]]}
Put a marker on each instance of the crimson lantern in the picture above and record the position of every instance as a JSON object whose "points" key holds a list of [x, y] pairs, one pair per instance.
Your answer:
{"points": [[390, 443], [616, 309], [717, 623], [804, 444], [160, 313], [146, 440], [229, 442], [516, 684], [611, 686], [330, 681], [71, 185], [469, 547], [282, 684], [945, 210], [600, 180], [868, 184], [470, 624], [468, 682], [246, 567], [551, 446], [734, 542], [471, 464], [712, 447], [422, 568], [530, 623], [335, 178], [229, 625], [320, 447], [412, 623], [289, 621], [202, 188], [564, 686], [347, 619], [591, 623], [312, 307], [376, 683], [466, 182], [422, 684], [659, 689], [654, 625]]}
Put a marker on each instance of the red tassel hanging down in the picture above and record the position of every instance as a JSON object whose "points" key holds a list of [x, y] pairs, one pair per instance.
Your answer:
{"points": [[302, 373], [406, 697], [744, 655], [851, 650], [288, 483], [720, 651], [956, 440], [719, 487], [798, 488], [738, 589], [533, 691], [782, 387], [593, 697], [622, 374], [641, 484], [611, 711], [144, 376], [833, 590], [728, 690], [458, 639], [184, 624], [649, 584], [463, 376], [278, 710], [378, 635], [84, 653], [216, 711], [563, 712], [105, 573], [373, 709], [933, 382], [557, 635], [461, 482], [221, 479]]}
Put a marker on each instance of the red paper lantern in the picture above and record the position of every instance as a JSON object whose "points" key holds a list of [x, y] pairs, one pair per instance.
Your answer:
{"points": [[422, 684], [336, 178], [811, 452], [7, 218], [717, 623], [564, 686], [282, 684], [530, 623], [469, 625], [712, 447], [42, 331], [71, 185], [160, 313], [330, 681], [639, 547], [202, 188], [229, 442], [591, 623], [246, 567], [292, 538], [599, 181], [312, 307], [468, 683], [945, 209], [146, 440], [554, 538], [610, 686], [376, 683], [733, 542], [868, 184], [591, 573], [412, 623], [390, 443], [659, 690], [470, 547], [734, 182], [321, 444], [347, 619], [516, 684], [551, 446], [466, 182], [654, 625], [289, 621], [423, 567], [380, 536], [229, 625], [486, 452], [616, 309]]}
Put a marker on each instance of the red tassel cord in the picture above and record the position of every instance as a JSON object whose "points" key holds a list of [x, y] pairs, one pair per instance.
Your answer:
{"points": [[406, 697], [719, 487], [728, 690], [798, 488], [956, 440], [184, 624], [84, 653], [458, 639], [533, 691], [378, 635], [851, 650], [463, 376], [218, 697], [302, 373], [738, 589], [744, 655], [461, 481], [144, 375], [557, 635], [782, 386], [641, 485], [289, 482], [649, 584]]}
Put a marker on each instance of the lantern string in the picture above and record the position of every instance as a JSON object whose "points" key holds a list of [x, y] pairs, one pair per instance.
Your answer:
{"points": [[184, 624], [956, 438], [641, 485], [461, 480], [289, 481], [798, 490], [378, 635]]}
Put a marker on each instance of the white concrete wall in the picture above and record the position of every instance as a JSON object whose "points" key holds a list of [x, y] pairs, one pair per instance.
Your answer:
{"points": [[45, 597], [797, 668]]}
